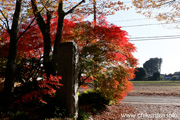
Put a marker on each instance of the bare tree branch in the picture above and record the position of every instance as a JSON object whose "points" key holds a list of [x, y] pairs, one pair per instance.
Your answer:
{"points": [[29, 26], [7, 24], [2, 27], [71, 10], [44, 5], [167, 2], [3, 23], [38, 16]]}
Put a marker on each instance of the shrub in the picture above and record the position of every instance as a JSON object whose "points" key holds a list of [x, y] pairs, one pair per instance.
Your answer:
{"points": [[19, 115], [34, 85], [82, 115], [93, 98], [34, 91]]}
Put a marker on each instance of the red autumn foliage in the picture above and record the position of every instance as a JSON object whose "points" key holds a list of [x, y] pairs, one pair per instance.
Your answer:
{"points": [[105, 52], [106, 57], [44, 87], [30, 43]]}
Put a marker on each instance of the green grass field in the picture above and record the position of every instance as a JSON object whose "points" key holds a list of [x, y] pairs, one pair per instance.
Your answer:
{"points": [[156, 83]]}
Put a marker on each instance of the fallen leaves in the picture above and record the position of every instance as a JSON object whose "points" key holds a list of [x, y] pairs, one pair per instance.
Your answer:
{"points": [[124, 111]]}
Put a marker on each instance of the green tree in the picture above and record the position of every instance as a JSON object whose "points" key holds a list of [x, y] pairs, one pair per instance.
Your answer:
{"points": [[153, 65], [140, 74], [156, 76]]}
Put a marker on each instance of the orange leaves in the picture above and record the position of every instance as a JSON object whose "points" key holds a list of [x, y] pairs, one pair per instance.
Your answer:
{"points": [[114, 82], [84, 86]]}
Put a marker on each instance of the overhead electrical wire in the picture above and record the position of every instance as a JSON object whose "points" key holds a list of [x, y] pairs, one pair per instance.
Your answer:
{"points": [[98, 2], [168, 36], [130, 20], [154, 38], [141, 25]]}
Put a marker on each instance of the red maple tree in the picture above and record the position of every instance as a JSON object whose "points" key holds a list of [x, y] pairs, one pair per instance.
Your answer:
{"points": [[105, 53]]}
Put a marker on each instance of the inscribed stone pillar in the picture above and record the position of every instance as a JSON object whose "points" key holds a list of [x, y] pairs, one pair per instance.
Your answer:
{"points": [[68, 58]]}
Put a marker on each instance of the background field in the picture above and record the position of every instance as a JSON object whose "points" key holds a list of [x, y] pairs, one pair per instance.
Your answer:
{"points": [[155, 88]]}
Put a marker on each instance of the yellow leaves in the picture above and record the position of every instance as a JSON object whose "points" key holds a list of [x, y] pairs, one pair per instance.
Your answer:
{"points": [[29, 12], [168, 11], [139, 12]]}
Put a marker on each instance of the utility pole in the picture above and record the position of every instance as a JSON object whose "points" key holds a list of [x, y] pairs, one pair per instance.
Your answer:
{"points": [[94, 5]]}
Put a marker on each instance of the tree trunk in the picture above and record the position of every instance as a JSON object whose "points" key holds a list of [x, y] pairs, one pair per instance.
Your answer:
{"points": [[46, 55], [11, 64], [47, 46], [51, 66], [10, 72], [45, 30], [58, 38]]}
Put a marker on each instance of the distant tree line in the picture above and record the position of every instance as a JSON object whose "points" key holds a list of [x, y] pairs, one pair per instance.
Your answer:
{"points": [[150, 71]]}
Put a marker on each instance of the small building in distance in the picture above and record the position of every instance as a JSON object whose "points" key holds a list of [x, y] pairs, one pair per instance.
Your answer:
{"points": [[175, 76]]}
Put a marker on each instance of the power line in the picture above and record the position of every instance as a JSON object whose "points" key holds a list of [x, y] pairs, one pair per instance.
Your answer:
{"points": [[130, 20], [154, 39], [168, 36], [100, 2], [144, 25]]}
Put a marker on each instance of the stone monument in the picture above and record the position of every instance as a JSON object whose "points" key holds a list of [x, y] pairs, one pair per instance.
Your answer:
{"points": [[68, 58]]}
